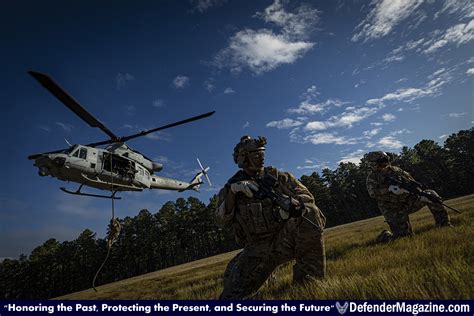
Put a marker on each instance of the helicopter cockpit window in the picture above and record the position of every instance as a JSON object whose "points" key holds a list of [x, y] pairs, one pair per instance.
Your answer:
{"points": [[76, 153], [83, 153], [70, 150]]}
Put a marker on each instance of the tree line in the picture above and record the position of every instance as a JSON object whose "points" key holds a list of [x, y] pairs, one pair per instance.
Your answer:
{"points": [[186, 230]]}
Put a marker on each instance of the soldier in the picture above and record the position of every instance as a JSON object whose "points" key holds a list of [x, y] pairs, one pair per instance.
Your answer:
{"points": [[269, 234], [396, 203]]}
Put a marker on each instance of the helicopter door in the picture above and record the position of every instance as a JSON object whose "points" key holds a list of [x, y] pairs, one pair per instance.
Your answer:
{"points": [[143, 176], [121, 167]]}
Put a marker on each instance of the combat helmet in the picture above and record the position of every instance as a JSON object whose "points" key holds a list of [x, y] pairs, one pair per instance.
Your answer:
{"points": [[377, 157], [246, 145]]}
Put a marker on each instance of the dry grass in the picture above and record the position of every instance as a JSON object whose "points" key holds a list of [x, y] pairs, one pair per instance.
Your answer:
{"points": [[435, 264]]}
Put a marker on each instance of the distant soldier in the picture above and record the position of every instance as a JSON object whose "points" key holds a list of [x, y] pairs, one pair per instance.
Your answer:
{"points": [[273, 227], [395, 202]]}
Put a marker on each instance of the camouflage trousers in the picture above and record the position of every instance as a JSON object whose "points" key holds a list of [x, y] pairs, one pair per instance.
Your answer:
{"points": [[299, 240], [399, 221]]}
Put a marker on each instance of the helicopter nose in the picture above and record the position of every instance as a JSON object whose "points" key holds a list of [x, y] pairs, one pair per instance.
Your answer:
{"points": [[43, 171], [43, 163], [59, 161]]}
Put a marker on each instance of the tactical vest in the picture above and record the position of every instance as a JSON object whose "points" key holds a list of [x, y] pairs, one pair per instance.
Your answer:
{"points": [[254, 219], [392, 201]]}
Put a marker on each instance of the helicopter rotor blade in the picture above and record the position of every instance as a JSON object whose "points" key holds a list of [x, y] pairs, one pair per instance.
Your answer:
{"points": [[50, 85], [143, 133], [34, 156]]}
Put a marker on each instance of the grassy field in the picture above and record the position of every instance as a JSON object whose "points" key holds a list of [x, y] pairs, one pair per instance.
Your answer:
{"points": [[438, 263]]}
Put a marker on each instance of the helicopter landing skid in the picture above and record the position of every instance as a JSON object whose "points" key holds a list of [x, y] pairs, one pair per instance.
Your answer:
{"points": [[78, 192]]}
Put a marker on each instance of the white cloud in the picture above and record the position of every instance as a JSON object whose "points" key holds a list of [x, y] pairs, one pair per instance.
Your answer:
{"points": [[316, 126], [307, 167], [180, 81], [465, 8], [400, 131], [229, 90], [432, 88], [390, 142], [459, 34], [384, 17], [310, 164], [457, 115], [404, 94], [349, 117], [204, 5], [443, 136], [247, 124], [65, 126], [161, 159], [129, 109], [263, 50], [311, 93], [470, 71], [160, 136], [158, 103], [372, 132], [122, 79], [328, 138], [398, 53], [260, 51], [284, 124], [376, 124], [361, 82], [297, 24], [346, 119], [353, 157], [308, 107], [388, 117], [209, 84]]}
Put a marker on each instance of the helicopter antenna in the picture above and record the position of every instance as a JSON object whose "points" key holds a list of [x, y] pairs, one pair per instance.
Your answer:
{"points": [[204, 171]]}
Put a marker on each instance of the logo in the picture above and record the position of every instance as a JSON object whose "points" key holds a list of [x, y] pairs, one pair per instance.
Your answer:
{"points": [[342, 308]]}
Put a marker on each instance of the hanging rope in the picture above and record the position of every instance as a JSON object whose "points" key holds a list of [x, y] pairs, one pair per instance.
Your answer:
{"points": [[114, 226]]}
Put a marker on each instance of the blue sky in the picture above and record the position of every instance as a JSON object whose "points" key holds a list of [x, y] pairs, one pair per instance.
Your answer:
{"points": [[324, 81]]}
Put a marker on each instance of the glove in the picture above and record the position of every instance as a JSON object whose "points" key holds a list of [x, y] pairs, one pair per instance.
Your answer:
{"points": [[427, 200], [395, 189], [424, 199], [246, 187]]}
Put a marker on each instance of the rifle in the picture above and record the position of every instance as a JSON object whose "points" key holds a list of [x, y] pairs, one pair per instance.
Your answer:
{"points": [[417, 188], [266, 185]]}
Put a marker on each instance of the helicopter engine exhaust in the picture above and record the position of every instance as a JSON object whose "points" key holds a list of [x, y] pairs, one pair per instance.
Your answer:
{"points": [[157, 166]]}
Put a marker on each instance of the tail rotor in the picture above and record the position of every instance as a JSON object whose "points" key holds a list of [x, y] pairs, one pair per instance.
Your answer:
{"points": [[204, 172]]}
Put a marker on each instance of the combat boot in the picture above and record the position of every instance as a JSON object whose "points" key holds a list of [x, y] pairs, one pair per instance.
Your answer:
{"points": [[445, 224], [384, 237], [302, 278]]}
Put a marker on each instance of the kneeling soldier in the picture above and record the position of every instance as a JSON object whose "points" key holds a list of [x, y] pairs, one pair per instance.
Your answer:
{"points": [[274, 218], [395, 202]]}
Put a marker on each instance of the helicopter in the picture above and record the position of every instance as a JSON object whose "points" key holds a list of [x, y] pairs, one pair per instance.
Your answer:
{"points": [[116, 167]]}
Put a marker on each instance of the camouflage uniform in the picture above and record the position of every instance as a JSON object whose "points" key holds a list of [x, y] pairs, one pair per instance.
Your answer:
{"points": [[268, 241], [396, 208]]}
